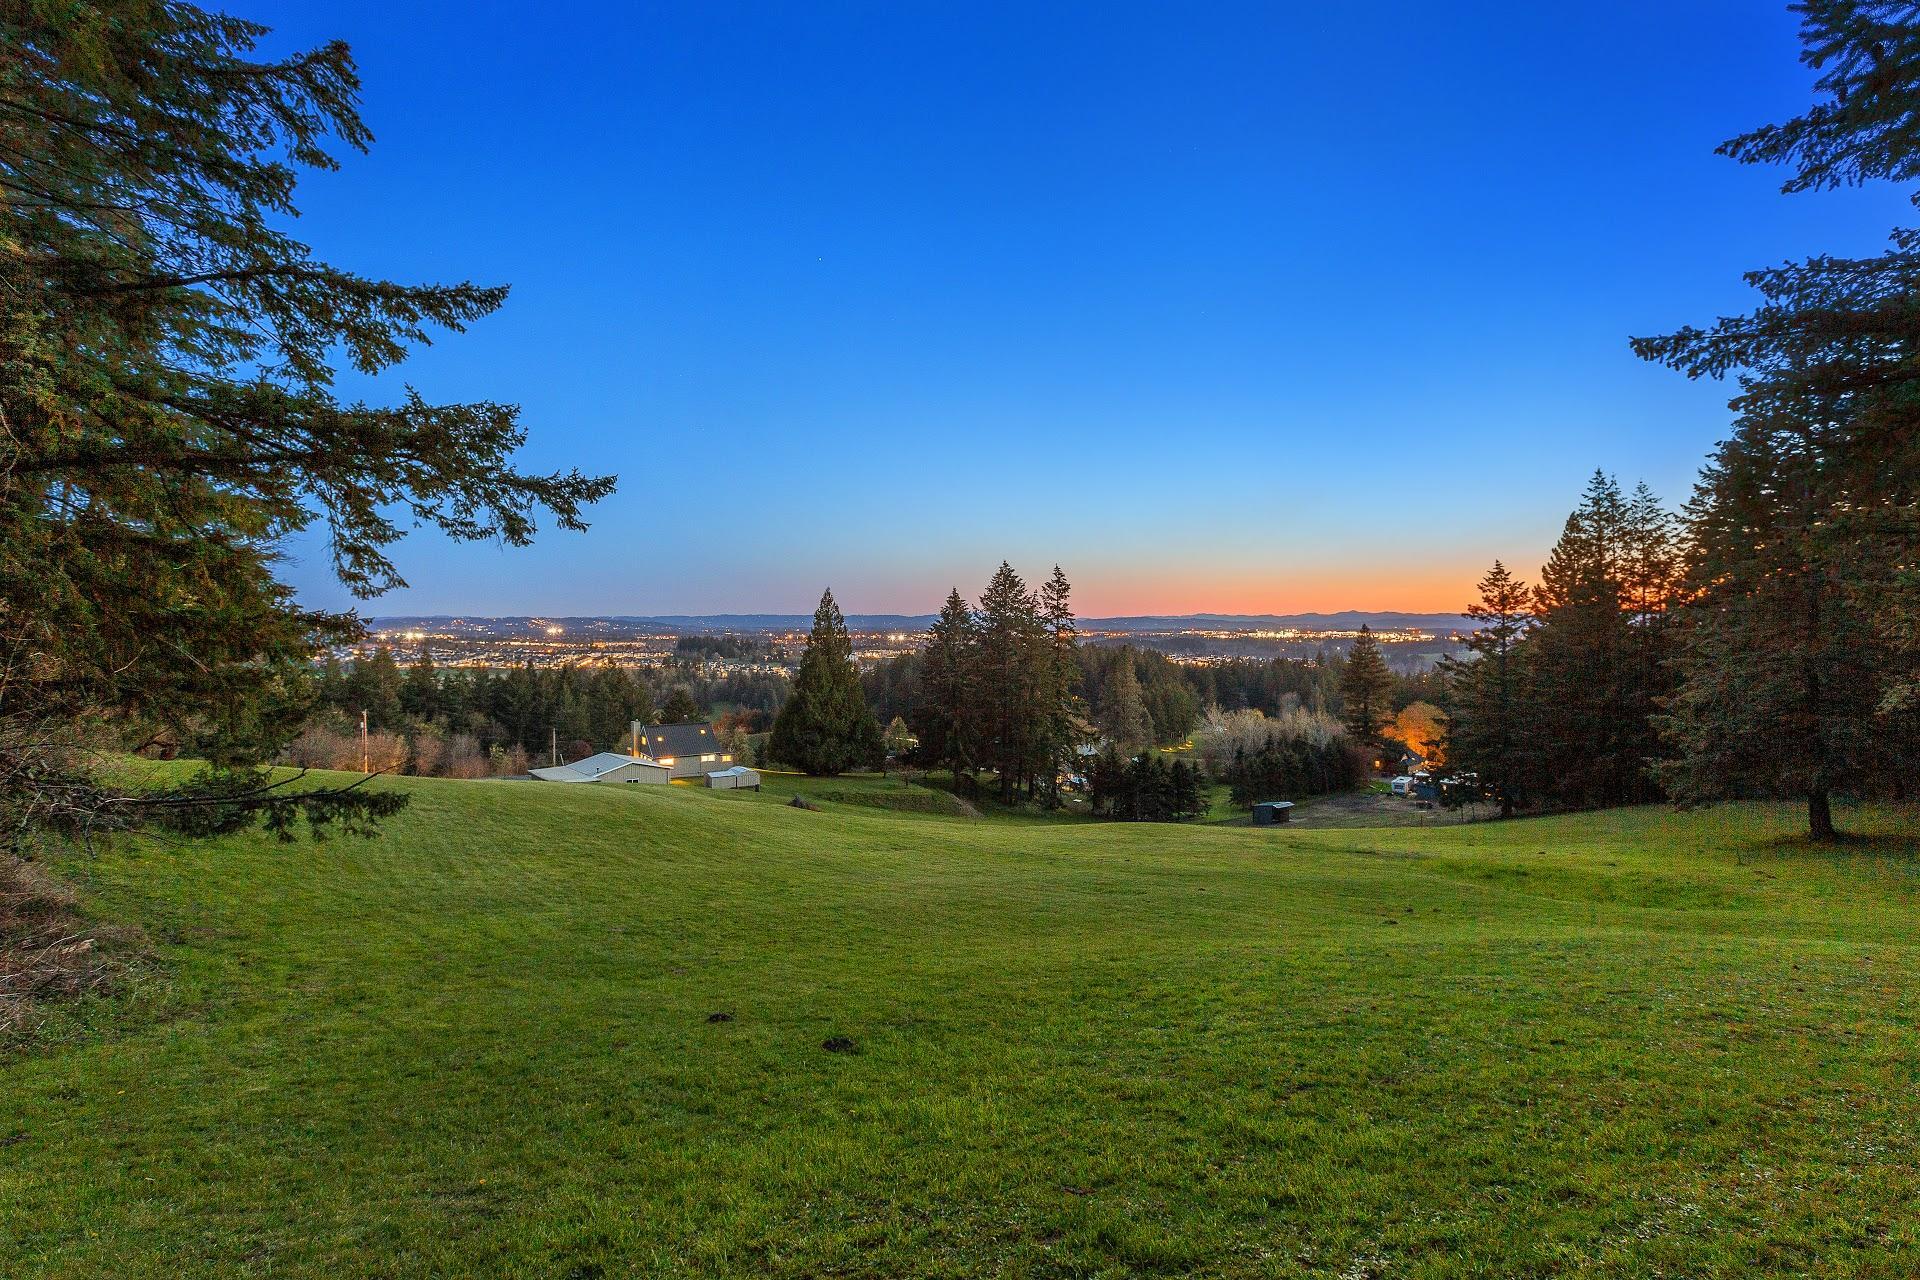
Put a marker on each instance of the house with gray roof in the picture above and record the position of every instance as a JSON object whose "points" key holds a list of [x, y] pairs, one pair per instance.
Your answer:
{"points": [[690, 750]]}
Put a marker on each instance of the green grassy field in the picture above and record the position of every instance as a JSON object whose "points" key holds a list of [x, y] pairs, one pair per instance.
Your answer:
{"points": [[490, 1043]]}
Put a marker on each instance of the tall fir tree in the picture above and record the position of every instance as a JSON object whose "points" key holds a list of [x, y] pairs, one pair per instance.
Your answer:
{"points": [[1366, 688], [680, 707], [1014, 655], [1123, 712], [615, 702], [1829, 371], [376, 684], [1592, 736], [1064, 726], [1487, 723], [168, 354], [1779, 693], [1653, 589], [420, 687], [1653, 566], [943, 717], [825, 726]]}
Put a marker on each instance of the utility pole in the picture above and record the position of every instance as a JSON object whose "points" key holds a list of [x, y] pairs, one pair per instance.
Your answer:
{"points": [[553, 742], [366, 759]]}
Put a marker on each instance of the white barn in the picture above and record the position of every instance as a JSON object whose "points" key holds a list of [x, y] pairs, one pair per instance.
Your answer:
{"points": [[738, 777], [608, 766]]}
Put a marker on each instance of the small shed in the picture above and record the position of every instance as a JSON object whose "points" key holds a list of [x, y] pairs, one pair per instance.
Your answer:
{"points": [[1271, 813], [737, 778]]}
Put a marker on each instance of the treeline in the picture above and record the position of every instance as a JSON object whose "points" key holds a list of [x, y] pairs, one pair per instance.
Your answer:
{"points": [[1645, 665], [1556, 706], [476, 722], [1137, 697], [1006, 687], [1146, 788], [994, 688], [999, 685], [1163, 701]]}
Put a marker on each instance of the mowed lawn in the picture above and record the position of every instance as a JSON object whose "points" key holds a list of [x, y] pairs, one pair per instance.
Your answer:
{"points": [[1627, 1044]]}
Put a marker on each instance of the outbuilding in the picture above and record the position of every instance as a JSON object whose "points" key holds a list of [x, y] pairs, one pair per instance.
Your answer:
{"points": [[1270, 813], [607, 766], [737, 778]]}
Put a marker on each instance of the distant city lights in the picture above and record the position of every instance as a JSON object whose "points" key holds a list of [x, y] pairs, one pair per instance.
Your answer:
{"points": [[501, 643]]}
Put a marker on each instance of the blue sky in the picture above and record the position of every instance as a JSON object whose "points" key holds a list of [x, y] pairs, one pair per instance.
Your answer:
{"points": [[1222, 307]]}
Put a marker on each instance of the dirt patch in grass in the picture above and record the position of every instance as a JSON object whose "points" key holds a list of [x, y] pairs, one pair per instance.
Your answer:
{"points": [[50, 953]]}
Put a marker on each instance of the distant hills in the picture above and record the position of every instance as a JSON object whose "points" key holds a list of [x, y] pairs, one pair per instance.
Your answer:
{"points": [[694, 624]]}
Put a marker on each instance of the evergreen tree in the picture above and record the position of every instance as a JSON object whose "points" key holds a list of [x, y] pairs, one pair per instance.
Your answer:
{"points": [[1653, 589], [1652, 569], [1592, 734], [1366, 687], [1829, 384], [1106, 781], [1487, 726], [1188, 801], [944, 716], [1123, 713], [1591, 553], [167, 359], [892, 686], [1780, 685], [1145, 788], [1172, 705], [1063, 724], [331, 683], [681, 708], [825, 726], [375, 685], [420, 689], [615, 700], [567, 711], [1014, 656]]}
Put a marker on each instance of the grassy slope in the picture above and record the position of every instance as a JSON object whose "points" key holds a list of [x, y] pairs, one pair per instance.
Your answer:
{"points": [[480, 1045]]}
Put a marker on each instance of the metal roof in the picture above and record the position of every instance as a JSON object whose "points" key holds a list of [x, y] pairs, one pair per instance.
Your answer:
{"points": [[591, 768]]}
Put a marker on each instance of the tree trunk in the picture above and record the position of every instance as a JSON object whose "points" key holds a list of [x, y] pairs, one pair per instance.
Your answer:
{"points": [[1820, 817]]}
